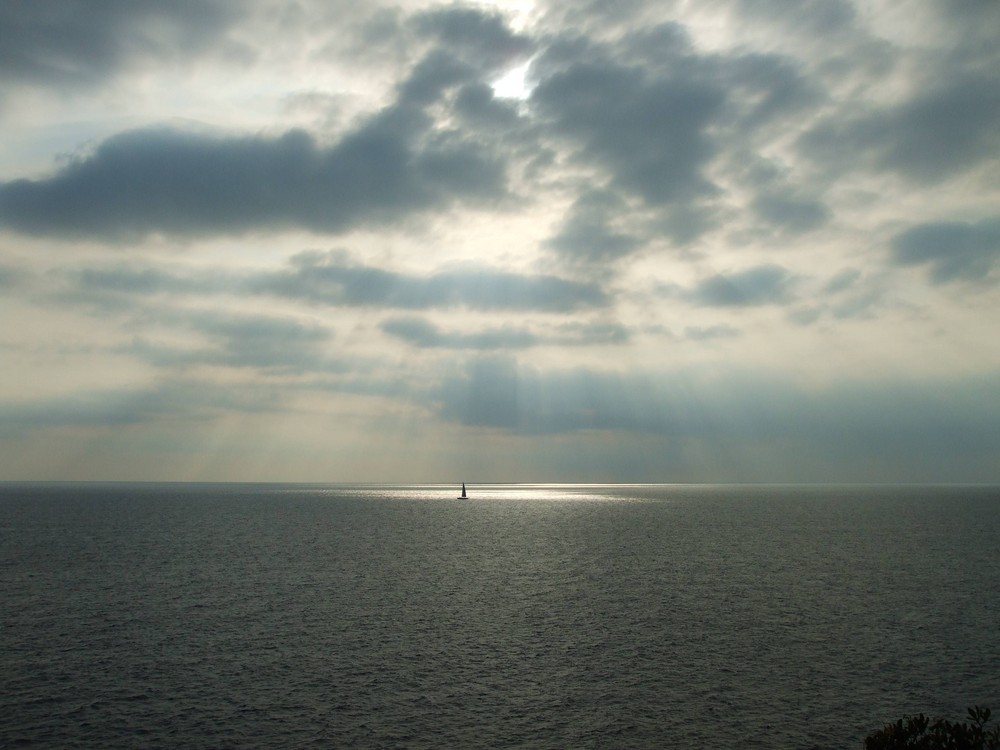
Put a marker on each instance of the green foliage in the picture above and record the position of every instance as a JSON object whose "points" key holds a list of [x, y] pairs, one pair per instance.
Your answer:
{"points": [[917, 733]]}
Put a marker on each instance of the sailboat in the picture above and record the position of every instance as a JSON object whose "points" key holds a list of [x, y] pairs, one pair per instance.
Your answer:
{"points": [[463, 496]]}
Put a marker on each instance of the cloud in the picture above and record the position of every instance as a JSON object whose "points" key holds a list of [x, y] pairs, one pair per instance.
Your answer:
{"points": [[767, 284], [790, 213], [335, 279], [130, 279], [424, 334], [9, 276], [587, 236], [483, 38], [332, 279], [809, 17], [943, 423], [494, 392], [710, 333], [649, 132], [149, 300], [164, 180], [841, 281], [432, 76], [485, 395], [952, 250], [591, 333], [178, 399], [478, 107], [126, 287], [932, 136], [848, 294], [645, 118], [481, 229], [401, 162], [973, 26], [268, 343], [762, 87], [75, 42]]}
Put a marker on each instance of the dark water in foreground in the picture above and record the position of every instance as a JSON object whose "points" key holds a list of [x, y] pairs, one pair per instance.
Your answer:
{"points": [[529, 616]]}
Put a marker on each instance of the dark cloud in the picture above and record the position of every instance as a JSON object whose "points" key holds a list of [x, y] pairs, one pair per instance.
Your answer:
{"points": [[806, 316], [951, 250], [598, 17], [333, 280], [767, 284], [436, 73], [937, 134], [711, 333], [9, 276], [804, 17], [644, 111], [647, 116], [476, 104], [130, 280], [848, 294], [399, 163], [241, 341], [74, 42], [495, 392], [422, 333], [974, 24], [792, 214], [763, 87], [485, 395], [860, 304], [187, 183], [853, 295], [483, 38], [145, 297], [586, 235], [648, 132], [662, 46], [176, 400], [591, 333], [262, 341], [933, 425], [587, 239], [457, 45], [126, 288], [842, 281]]}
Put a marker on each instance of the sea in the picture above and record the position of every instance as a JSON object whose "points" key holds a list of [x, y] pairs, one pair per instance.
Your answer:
{"points": [[528, 616]]}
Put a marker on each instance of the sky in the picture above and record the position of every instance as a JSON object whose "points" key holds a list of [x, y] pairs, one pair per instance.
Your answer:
{"points": [[526, 241]]}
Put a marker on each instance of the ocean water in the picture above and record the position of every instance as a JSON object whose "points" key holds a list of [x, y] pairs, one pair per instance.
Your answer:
{"points": [[267, 616]]}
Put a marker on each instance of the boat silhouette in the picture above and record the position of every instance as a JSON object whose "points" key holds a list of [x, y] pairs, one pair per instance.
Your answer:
{"points": [[463, 496]]}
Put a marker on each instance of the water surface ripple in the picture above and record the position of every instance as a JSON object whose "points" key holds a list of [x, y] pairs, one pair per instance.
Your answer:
{"points": [[164, 616]]}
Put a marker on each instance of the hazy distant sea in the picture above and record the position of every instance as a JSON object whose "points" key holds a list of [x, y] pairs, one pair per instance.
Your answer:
{"points": [[169, 616]]}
